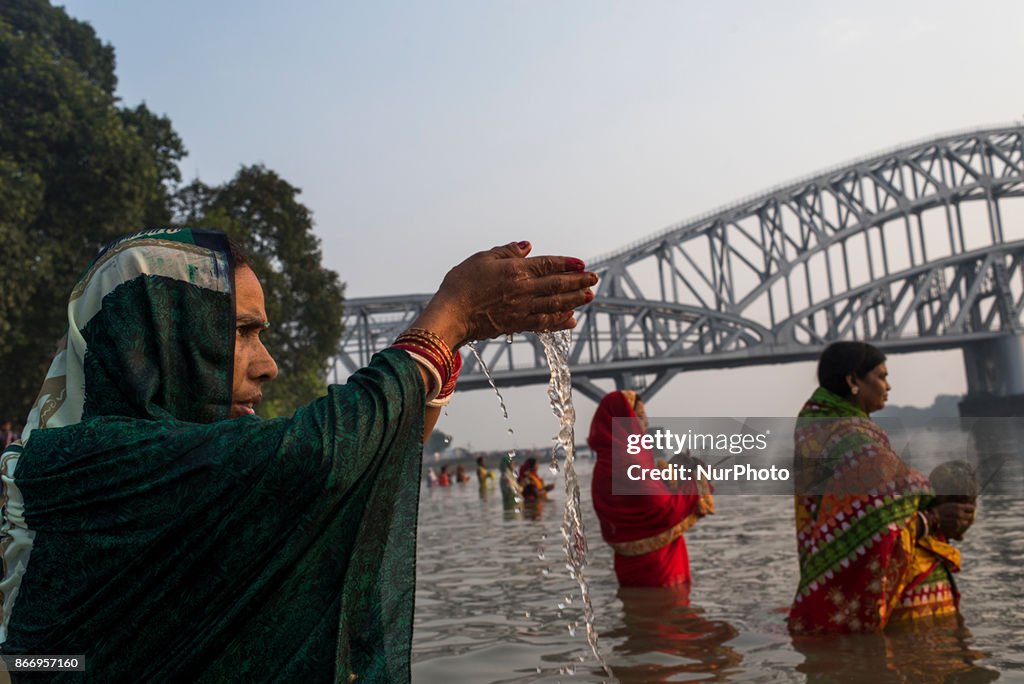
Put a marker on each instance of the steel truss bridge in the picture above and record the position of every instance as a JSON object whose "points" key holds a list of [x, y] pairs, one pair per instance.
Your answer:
{"points": [[917, 248]]}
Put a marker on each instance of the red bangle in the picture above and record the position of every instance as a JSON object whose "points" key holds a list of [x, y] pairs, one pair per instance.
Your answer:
{"points": [[434, 354], [427, 340], [436, 383], [449, 387]]}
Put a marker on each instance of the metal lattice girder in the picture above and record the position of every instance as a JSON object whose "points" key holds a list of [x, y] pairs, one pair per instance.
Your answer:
{"points": [[914, 248], [971, 295], [371, 324], [769, 257]]}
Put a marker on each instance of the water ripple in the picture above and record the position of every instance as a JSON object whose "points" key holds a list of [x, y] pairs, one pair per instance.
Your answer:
{"points": [[487, 608]]}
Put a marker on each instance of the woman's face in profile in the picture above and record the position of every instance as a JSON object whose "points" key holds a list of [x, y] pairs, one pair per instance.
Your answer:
{"points": [[872, 390]]}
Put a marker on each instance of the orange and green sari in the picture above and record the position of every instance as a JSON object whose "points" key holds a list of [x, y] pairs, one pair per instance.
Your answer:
{"points": [[862, 563]]}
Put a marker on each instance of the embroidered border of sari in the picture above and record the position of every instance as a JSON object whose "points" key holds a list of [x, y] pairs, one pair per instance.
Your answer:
{"points": [[642, 546]]}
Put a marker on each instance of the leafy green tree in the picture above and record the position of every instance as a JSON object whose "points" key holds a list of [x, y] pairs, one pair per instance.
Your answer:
{"points": [[75, 171], [261, 212], [167, 150]]}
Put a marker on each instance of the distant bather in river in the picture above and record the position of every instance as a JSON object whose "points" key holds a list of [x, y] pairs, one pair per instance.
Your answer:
{"points": [[532, 485]]}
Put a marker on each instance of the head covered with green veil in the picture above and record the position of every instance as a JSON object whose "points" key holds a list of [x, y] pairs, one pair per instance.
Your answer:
{"points": [[145, 529], [150, 334]]}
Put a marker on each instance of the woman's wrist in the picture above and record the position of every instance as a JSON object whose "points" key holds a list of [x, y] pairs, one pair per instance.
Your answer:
{"points": [[443, 320], [923, 525], [928, 522], [439, 365]]}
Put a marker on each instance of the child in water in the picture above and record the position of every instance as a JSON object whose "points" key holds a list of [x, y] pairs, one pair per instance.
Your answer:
{"points": [[955, 482]]}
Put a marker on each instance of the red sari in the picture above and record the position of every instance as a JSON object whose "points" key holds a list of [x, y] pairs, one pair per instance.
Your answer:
{"points": [[644, 530]]}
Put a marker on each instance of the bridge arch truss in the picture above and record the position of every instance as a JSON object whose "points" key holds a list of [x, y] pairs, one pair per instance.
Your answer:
{"points": [[920, 247]]}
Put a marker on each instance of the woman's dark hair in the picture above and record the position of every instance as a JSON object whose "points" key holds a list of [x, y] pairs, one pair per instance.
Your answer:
{"points": [[530, 463], [846, 358]]}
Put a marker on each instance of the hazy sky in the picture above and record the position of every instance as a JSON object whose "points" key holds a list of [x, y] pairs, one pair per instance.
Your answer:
{"points": [[422, 132]]}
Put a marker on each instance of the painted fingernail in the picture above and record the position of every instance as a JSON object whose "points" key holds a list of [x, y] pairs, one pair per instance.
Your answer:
{"points": [[523, 244], [575, 264], [588, 295]]}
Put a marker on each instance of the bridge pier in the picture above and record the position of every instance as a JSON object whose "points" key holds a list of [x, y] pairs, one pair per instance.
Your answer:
{"points": [[995, 377]]}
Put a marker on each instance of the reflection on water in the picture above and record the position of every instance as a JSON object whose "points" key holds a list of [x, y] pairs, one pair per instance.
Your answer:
{"points": [[933, 651], [664, 637], [491, 590]]}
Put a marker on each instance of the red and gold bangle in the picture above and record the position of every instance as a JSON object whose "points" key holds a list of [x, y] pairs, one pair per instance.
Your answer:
{"points": [[429, 341], [446, 393], [431, 346], [428, 354], [434, 355], [436, 384]]}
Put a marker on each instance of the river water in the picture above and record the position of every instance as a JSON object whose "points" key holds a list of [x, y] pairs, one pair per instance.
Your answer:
{"points": [[495, 603]]}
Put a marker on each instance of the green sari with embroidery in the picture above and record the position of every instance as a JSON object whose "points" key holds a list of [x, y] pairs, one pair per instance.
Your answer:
{"points": [[863, 564], [146, 531]]}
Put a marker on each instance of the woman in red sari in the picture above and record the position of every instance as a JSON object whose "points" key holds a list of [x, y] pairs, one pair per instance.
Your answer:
{"points": [[644, 528]]}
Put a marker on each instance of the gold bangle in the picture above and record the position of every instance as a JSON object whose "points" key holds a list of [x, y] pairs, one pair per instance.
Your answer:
{"points": [[434, 343]]}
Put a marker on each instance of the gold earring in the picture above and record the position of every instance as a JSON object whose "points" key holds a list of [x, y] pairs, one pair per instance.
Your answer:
{"points": [[854, 389]]}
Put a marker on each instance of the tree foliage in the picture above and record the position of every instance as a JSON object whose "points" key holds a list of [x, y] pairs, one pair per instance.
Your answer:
{"points": [[166, 150], [72, 177], [77, 170], [261, 212]]}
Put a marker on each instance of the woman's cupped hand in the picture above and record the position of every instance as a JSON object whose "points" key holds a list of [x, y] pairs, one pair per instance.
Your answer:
{"points": [[504, 291]]}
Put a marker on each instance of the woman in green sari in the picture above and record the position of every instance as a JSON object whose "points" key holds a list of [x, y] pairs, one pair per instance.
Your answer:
{"points": [[872, 541], [154, 524]]}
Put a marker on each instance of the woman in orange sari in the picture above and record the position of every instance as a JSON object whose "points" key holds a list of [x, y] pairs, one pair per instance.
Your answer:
{"points": [[645, 527], [872, 541], [530, 482]]}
